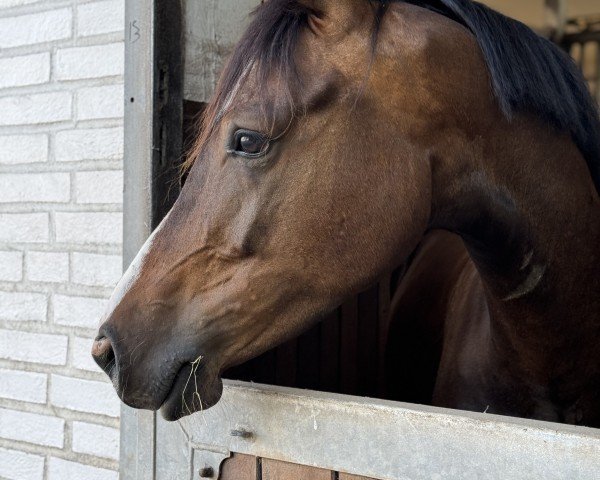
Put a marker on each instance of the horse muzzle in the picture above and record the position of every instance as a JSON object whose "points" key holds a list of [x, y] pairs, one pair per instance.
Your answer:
{"points": [[145, 378]]}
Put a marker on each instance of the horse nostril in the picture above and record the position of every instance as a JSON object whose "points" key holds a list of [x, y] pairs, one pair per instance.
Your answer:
{"points": [[104, 354]]}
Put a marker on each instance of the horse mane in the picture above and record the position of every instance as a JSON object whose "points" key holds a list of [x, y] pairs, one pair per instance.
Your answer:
{"points": [[529, 74]]}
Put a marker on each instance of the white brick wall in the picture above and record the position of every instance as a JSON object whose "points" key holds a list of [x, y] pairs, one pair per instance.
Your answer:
{"points": [[82, 312], [36, 108], [52, 267], [18, 306], [82, 62], [23, 149], [11, 267], [84, 396], [36, 28], [16, 465], [25, 70], [99, 187], [59, 469], [89, 228], [100, 17], [25, 386], [61, 184], [41, 348], [32, 428], [89, 144], [86, 436], [100, 102], [24, 228], [94, 269], [35, 187]]}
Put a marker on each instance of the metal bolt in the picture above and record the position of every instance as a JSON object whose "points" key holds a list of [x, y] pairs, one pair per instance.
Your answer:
{"points": [[207, 472], [241, 433]]}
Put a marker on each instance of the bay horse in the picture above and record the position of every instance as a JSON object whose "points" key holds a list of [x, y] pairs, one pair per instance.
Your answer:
{"points": [[345, 137]]}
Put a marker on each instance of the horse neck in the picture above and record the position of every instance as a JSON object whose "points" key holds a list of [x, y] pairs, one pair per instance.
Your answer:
{"points": [[524, 204]]}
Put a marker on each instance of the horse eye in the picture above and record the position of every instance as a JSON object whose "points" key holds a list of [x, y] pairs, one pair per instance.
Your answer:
{"points": [[247, 143]]}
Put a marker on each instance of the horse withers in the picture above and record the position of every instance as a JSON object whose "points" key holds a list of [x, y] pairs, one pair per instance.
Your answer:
{"points": [[345, 137]]}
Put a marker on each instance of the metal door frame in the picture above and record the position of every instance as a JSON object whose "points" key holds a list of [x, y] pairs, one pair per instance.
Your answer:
{"points": [[375, 438]]}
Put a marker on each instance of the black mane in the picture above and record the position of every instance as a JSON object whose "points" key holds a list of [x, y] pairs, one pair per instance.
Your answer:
{"points": [[529, 73]]}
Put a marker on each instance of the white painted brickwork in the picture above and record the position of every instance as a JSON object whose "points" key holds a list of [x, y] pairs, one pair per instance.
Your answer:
{"points": [[25, 70], [25, 386], [23, 149], [16, 465], [61, 187]]}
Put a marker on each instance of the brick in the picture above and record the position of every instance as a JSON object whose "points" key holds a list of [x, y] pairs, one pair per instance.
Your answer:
{"points": [[20, 466], [35, 187], [89, 144], [48, 267], [21, 307], [16, 149], [23, 386], [84, 396], [99, 187], [59, 469], [35, 109], [90, 62], [36, 28], [85, 228], [11, 266], [33, 347], [96, 440], [96, 270], [81, 357], [24, 227], [100, 102], [82, 312], [25, 70], [16, 3], [100, 17], [32, 428]]}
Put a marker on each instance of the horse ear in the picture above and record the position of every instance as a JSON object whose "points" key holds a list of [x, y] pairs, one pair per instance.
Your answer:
{"points": [[342, 13]]}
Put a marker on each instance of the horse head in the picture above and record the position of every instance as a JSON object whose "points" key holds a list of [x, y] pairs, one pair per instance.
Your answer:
{"points": [[293, 201]]}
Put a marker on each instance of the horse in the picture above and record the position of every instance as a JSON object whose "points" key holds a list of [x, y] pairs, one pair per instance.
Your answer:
{"points": [[346, 138]]}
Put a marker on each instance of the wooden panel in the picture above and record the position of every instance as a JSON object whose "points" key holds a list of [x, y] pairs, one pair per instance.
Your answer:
{"points": [[274, 470], [330, 353], [345, 476], [348, 347], [287, 359], [368, 344], [307, 373], [264, 370], [239, 467], [383, 331]]}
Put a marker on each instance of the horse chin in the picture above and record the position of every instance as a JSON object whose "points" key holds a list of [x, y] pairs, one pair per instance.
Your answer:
{"points": [[194, 389]]}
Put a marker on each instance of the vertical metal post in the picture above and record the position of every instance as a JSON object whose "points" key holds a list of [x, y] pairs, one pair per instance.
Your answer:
{"points": [[137, 427], [153, 121]]}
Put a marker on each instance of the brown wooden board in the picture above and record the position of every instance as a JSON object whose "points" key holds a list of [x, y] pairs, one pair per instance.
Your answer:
{"points": [[384, 322], [239, 467], [346, 476], [287, 364], [368, 344], [348, 347], [330, 353], [275, 470], [308, 364]]}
